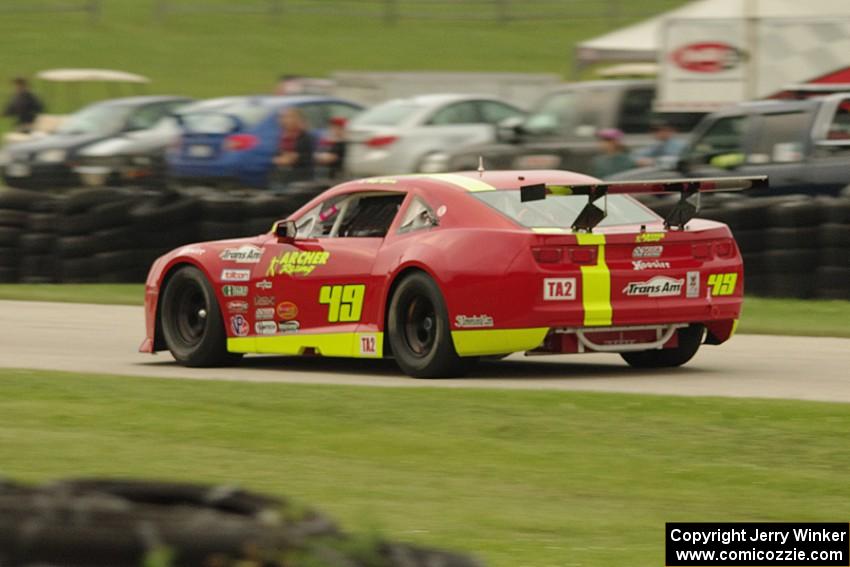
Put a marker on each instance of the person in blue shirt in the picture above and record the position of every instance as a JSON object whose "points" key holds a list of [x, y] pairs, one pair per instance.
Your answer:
{"points": [[667, 147]]}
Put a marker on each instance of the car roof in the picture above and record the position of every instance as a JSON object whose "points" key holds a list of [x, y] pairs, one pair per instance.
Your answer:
{"points": [[436, 99], [140, 100], [272, 100]]}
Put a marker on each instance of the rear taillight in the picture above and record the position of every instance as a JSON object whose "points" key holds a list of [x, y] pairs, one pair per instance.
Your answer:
{"points": [[547, 255], [724, 249], [582, 254], [240, 142], [381, 141], [702, 250]]}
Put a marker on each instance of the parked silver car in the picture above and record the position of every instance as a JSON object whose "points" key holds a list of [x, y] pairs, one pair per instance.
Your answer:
{"points": [[401, 135]]}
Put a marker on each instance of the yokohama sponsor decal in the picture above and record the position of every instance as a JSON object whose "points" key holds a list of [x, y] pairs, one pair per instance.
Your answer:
{"points": [[650, 265], [659, 286], [243, 255]]}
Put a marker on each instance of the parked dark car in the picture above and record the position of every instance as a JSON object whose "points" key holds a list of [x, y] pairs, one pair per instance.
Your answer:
{"points": [[802, 145], [48, 162], [234, 143], [560, 131]]}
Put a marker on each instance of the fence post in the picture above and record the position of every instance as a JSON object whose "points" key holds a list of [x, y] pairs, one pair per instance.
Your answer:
{"points": [[275, 8], [503, 14], [93, 9], [390, 11]]}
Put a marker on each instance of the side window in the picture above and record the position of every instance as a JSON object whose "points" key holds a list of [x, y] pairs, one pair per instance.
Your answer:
{"points": [[781, 137], [839, 128], [557, 113], [458, 113], [369, 215], [494, 112], [636, 111], [417, 216], [338, 110], [725, 136], [319, 221], [146, 116]]}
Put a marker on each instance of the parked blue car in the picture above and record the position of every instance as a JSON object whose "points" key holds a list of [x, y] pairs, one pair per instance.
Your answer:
{"points": [[232, 140]]}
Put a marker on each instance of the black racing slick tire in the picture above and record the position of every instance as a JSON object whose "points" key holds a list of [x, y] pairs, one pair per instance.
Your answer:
{"points": [[419, 331], [690, 339], [192, 325]]}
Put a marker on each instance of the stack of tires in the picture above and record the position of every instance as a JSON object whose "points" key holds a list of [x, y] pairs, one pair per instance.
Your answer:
{"points": [[39, 263], [14, 216], [791, 243], [833, 273]]}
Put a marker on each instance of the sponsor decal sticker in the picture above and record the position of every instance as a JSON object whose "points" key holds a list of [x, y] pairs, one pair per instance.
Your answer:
{"points": [[287, 310], [692, 287], [659, 286], [297, 262], [471, 321], [265, 328], [235, 275], [234, 290], [650, 237], [193, 251], [647, 251], [650, 265], [243, 255], [559, 289], [707, 57], [368, 345], [237, 306], [289, 326], [239, 325], [264, 313], [263, 301], [263, 284]]}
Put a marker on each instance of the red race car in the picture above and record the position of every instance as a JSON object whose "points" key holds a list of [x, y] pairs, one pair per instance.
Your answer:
{"points": [[437, 271]]}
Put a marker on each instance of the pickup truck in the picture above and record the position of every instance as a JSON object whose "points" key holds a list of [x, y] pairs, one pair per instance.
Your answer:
{"points": [[560, 131], [803, 146]]}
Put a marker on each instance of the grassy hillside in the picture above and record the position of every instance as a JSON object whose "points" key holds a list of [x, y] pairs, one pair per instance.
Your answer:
{"points": [[210, 54]]}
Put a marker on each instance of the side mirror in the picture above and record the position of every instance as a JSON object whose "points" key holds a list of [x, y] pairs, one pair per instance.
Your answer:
{"points": [[285, 230]]}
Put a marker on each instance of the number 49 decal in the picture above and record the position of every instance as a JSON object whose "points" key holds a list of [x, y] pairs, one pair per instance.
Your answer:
{"points": [[722, 284], [345, 302]]}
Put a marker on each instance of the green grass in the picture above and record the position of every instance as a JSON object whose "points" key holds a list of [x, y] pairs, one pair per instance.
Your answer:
{"points": [[545, 479], [761, 316], [213, 54]]}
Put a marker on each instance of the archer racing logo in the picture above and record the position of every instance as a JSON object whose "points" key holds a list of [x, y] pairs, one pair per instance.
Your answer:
{"points": [[659, 286]]}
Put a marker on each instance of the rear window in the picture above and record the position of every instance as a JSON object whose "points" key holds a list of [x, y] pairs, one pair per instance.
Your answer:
{"points": [[387, 114], [561, 211], [220, 120]]}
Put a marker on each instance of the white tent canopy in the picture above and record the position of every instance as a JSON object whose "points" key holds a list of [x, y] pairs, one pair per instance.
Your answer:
{"points": [[90, 75], [640, 41]]}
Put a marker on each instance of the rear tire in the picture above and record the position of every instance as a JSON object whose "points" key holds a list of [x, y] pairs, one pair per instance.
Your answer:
{"points": [[690, 339], [419, 332], [192, 325]]}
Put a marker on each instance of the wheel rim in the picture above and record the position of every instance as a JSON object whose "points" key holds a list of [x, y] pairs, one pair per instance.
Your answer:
{"points": [[190, 313], [420, 326]]}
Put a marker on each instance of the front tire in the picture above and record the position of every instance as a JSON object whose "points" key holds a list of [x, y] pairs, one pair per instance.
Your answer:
{"points": [[191, 321], [419, 331], [690, 339]]}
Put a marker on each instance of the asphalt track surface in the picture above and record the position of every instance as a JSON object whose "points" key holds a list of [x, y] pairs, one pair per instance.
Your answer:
{"points": [[104, 339]]}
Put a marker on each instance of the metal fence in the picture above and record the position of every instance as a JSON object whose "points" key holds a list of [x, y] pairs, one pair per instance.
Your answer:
{"points": [[392, 11], [90, 7]]}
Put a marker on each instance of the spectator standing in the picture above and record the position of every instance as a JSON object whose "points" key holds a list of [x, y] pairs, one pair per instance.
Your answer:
{"points": [[615, 156], [667, 145], [331, 152], [294, 160], [24, 106]]}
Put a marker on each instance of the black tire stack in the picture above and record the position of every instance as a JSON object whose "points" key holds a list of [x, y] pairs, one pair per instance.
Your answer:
{"points": [[14, 216], [791, 247], [833, 273], [123, 523], [39, 261]]}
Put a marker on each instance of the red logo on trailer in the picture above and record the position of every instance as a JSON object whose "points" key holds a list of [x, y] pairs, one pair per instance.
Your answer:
{"points": [[707, 57]]}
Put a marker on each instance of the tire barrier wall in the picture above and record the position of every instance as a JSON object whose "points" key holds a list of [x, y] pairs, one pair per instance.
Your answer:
{"points": [[112, 236], [793, 246], [129, 523]]}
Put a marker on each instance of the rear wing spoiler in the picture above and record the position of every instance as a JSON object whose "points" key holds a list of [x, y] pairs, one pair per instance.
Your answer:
{"points": [[681, 214]]}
